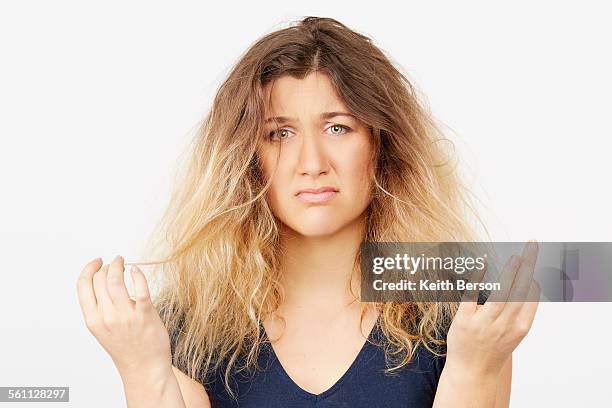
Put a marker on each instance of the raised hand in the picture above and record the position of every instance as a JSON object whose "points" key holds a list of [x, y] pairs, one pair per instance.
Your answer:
{"points": [[130, 330], [482, 337]]}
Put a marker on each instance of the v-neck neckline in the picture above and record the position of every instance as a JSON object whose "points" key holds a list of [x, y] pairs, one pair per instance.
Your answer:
{"points": [[294, 387]]}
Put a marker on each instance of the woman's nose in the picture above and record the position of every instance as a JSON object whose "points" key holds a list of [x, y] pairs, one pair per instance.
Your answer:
{"points": [[312, 157]]}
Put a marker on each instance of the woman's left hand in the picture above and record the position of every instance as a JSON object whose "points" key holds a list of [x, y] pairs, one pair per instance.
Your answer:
{"points": [[482, 337]]}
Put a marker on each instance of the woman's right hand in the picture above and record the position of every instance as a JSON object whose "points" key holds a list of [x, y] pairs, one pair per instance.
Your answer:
{"points": [[130, 331]]}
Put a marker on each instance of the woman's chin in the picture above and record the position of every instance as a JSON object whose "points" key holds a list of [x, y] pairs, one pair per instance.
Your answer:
{"points": [[316, 228]]}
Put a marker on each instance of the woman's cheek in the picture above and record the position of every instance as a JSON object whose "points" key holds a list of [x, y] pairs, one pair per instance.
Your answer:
{"points": [[281, 205], [362, 177]]}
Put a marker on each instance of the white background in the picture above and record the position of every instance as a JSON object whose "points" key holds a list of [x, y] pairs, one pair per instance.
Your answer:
{"points": [[98, 99]]}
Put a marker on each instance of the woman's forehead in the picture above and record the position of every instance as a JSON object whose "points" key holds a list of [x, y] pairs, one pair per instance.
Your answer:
{"points": [[291, 95]]}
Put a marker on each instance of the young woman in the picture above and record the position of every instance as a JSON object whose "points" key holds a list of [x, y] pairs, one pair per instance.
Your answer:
{"points": [[314, 143]]}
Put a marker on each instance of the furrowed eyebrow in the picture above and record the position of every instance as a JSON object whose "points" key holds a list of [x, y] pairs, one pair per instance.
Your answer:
{"points": [[324, 115]]}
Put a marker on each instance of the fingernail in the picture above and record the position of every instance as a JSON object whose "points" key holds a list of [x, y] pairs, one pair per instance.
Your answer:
{"points": [[118, 257], [532, 245]]}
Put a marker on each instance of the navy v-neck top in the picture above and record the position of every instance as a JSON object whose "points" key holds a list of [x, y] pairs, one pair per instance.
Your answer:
{"points": [[364, 384]]}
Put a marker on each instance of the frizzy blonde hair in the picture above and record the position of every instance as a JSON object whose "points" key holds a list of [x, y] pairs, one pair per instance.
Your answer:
{"points": [[219, 272]]}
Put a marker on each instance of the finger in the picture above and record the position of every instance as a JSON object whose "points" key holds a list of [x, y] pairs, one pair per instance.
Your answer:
{"points": [[99, 282], [141, 289], [526, 314], [496, 302], [85, 290], [469, 298], [522, 281], [116, 284]]}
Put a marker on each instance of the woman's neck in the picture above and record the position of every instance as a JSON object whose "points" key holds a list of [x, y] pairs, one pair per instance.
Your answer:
{"points": [[315, 271]]}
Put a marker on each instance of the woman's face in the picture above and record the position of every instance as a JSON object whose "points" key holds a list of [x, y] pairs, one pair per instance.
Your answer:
{"points": [[321, 145]]}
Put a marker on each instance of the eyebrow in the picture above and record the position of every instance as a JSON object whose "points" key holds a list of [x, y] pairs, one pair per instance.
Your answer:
{"points": [[324, 115]]}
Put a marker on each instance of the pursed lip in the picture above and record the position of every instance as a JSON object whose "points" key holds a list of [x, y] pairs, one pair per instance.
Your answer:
{"points": [[319, 195], [317, 190]]}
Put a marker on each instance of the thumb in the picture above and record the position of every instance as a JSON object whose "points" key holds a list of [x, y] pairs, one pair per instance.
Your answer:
{"points": [[141, 289]]}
